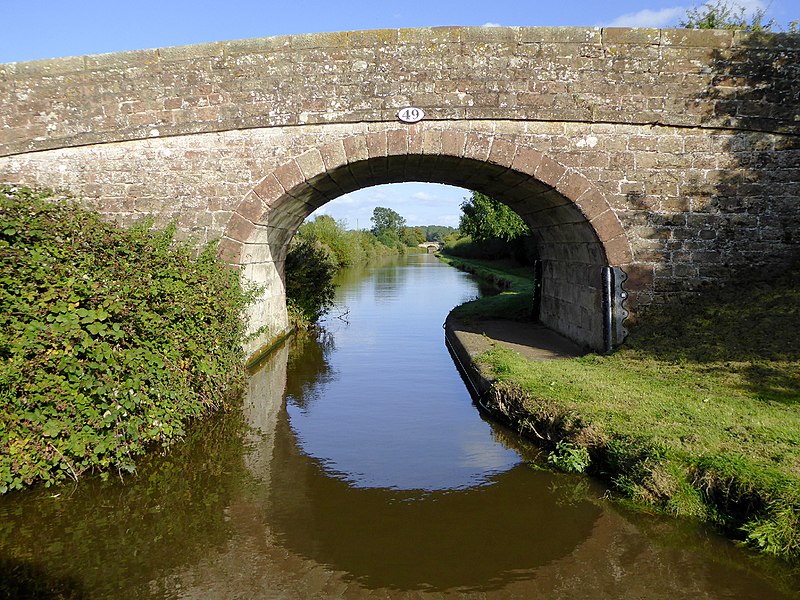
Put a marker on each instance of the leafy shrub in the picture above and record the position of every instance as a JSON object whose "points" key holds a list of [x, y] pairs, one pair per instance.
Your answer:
{"points": [[569, 457], [347, 247], [110, 340], [310, 269]]}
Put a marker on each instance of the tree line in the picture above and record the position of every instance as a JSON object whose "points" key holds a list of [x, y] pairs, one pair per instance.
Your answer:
{"points": [[324, 246]]}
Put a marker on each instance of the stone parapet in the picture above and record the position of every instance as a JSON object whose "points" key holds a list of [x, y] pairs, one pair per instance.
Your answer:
{"points": [[681, 78]]}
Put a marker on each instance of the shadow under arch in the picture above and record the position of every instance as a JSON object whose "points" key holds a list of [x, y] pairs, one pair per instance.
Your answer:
{"points": [[577, 233]]}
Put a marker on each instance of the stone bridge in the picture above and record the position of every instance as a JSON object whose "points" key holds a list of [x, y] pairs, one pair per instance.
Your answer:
{"points": [[672, 156]]}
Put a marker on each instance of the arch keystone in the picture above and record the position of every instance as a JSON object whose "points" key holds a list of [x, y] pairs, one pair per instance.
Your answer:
{"points": [[432, 142]]}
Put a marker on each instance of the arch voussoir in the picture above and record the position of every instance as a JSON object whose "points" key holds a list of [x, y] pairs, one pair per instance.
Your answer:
{"points": [[502, 152], [549, 171], [289, 175], [377, 144], [478, 146], [310, 163], [454, 143], [269, 190], [355, 148], [333, 155], [527, 160]]}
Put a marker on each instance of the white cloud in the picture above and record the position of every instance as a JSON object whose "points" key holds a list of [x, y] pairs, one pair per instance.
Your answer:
{"points": [[664, 17], [449, 220], [490, 24], [423, 196], [670, 16]]}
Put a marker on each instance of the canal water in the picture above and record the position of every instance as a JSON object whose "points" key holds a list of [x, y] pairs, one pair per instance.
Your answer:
{"points": [[358, 467]]}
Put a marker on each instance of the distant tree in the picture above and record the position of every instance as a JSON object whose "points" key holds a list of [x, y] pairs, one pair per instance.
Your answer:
{"points": [[437, 233], [721, 14], [484, 219], [387, 225], [329, 232], [412, 236]]}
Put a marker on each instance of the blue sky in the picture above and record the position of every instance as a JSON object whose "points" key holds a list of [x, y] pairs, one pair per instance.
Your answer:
{"points": [[35, 29]]}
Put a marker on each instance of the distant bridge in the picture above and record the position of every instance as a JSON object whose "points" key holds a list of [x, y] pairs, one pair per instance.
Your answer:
{"points": [[669, 155], [432, 245]]}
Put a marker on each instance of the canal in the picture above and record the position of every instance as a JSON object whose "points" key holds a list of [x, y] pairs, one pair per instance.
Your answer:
{"points": [[358, 467]]}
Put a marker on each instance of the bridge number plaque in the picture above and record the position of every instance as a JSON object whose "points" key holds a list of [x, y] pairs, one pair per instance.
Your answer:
{"points": [[410, 114]]}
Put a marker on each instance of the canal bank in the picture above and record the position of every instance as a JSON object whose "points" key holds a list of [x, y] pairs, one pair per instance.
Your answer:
{"points": [[468, 340], [696, 416]]}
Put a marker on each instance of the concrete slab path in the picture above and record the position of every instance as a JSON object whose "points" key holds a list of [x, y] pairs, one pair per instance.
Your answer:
{"points": [[533, 340]]}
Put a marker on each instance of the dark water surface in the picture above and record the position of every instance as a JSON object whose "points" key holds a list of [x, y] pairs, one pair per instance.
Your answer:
{"points": [[359, 468]]}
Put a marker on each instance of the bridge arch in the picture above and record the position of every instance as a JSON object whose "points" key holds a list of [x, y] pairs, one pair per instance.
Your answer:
{"points": [[576, 231]]}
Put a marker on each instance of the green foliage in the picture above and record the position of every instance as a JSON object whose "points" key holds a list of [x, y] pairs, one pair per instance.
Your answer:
{"points": [[323, 246], [513, 303], [387, 226], [484, 218], [465, 247], [777, 532], [412, 236], [110, 341], [319, 250], [348, 248], [332, 234], [569, 458], [721, 14], [310, 269], [437, 233]]}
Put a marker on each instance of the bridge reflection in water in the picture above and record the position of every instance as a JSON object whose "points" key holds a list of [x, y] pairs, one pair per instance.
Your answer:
{"points": [[520, 533], [334, 527], [271, 508]]}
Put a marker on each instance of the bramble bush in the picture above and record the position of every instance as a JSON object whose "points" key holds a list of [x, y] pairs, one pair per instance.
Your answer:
{"points": [[111, 341]]}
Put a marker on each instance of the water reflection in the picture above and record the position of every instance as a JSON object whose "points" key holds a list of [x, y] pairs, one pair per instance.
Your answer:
{"points": [[109, 539], [387, 409], [479, 538], [244, 510]]}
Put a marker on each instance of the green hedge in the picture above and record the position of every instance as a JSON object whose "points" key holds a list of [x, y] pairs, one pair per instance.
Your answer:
{"points": [[110, 340]]}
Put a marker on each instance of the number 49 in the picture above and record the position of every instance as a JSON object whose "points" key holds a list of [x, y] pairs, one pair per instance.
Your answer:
{"points": [[410, 114]]}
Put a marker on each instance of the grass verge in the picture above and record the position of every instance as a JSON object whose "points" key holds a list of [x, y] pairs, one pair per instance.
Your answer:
{"points": [[515, 283], [698, 414]]}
